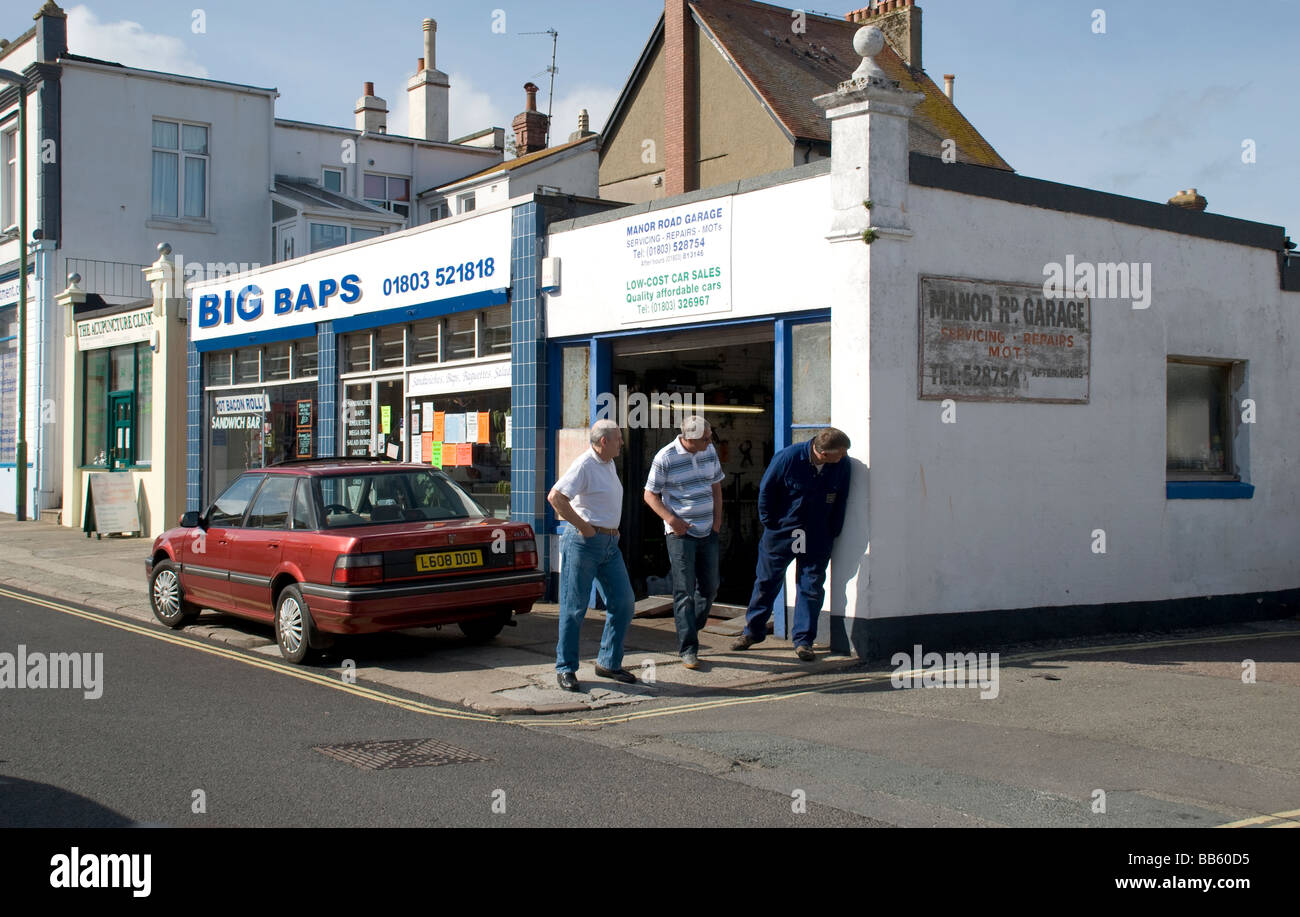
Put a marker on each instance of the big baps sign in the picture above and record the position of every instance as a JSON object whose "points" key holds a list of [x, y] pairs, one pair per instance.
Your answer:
{"points": [[442, 263]]}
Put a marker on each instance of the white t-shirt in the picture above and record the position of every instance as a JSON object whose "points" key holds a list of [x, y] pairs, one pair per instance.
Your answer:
{"points": [[594, 489]]}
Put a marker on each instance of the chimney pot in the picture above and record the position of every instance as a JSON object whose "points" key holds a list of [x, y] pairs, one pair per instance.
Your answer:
{"points": [[419, 65], [948, 80], [368, 89]]}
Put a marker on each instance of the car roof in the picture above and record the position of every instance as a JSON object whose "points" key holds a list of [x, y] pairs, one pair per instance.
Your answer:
{"points": [[336, 465]]}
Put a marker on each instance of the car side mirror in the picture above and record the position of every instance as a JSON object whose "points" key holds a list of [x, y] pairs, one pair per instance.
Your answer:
{"points": [[192, 519]]}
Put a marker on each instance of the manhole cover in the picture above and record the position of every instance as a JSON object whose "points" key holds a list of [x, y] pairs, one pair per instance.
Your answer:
{"points": [[383, 755]]}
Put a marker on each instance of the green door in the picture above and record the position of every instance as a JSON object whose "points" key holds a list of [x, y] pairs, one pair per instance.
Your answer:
{"points": [[121, 413]]}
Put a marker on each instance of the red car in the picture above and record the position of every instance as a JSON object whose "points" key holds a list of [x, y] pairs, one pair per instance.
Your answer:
{"points": [[345, 546]]}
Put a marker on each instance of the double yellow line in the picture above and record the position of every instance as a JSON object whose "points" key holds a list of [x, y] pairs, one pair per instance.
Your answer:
{"points": [[1282, 819], [318, 678]]}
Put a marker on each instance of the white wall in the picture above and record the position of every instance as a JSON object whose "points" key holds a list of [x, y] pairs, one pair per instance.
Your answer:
{"points": [[998, 509]]}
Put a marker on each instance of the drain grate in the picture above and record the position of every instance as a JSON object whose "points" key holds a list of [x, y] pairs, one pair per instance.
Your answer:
{"points": [[378, 756]]}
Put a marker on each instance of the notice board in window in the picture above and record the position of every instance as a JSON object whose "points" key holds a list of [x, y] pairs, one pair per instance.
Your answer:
{"points": [[982, 340]]}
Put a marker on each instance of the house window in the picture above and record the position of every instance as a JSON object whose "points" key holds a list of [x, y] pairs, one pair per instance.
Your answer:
{"points": [[439, 211], [1199, 421], [389, 192], [9, 180], [180, 170], [327, 235], [111, 374], [332, 180], [465, 203], [359, 234]]}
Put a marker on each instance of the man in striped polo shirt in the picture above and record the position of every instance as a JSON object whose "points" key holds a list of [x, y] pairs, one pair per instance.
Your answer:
{"points": [[684, 489]]}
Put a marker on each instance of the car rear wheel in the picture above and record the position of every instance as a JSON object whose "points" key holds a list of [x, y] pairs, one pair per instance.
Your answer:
{"points": [[293, 626], [481, 630], [167, 598]]}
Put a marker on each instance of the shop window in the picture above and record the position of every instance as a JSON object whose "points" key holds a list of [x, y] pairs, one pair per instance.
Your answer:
{"points": [[810, 376], [8, 384], [115, 376], [461, 343], [304, 358], [248, 365], [496, 331], [390, 346], [423, 341], [275, 363], [332, 180], [271, 507], [388, 192], [1199, 421], [356, 352], [577, 392], [358, 416], [327, 235], [219, 370], [180, 170]]}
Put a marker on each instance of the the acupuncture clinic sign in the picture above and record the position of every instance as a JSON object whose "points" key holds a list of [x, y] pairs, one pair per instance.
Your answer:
{"points": [[671, 263], [988, 341], [111, 330]]}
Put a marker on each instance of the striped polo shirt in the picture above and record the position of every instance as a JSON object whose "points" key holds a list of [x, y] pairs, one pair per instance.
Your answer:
{"points": [[684, 480]]}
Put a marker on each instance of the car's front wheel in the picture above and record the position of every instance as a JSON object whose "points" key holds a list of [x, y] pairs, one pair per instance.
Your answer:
{"points": [[167, 598], [293, 626]]}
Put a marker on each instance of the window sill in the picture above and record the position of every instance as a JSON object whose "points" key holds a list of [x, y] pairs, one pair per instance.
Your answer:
{"points": [[181, 225], [1208, 490]]}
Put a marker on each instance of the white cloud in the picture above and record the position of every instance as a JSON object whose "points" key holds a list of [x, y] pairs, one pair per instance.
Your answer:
{"points": [[598, 100], [128, 43], [473, 109]]}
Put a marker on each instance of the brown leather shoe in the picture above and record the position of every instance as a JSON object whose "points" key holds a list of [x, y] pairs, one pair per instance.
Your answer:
{"points": [[743, 642]]}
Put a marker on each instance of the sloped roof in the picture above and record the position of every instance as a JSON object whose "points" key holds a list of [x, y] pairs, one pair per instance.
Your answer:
{"points": [[309, 196], [787, 70], [512, 164]]}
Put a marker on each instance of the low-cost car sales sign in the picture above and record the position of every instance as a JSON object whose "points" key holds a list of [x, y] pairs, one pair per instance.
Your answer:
{"points": [[673, 263], [446, 262], [988, 341]]}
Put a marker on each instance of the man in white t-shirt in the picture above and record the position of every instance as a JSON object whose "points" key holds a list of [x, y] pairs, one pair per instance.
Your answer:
{"points": [[589, 498]]}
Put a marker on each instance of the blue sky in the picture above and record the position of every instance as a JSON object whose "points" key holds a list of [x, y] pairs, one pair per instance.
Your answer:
{"points": [[1162, 100]]}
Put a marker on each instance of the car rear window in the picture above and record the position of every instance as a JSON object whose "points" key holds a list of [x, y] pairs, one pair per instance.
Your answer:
{"points": [[378, 498]]}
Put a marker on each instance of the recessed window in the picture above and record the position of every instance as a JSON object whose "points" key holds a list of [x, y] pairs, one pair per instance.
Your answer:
{"points": [[332, 180], [180, 170], [9, 178], [465, 203], [1199, 421]]}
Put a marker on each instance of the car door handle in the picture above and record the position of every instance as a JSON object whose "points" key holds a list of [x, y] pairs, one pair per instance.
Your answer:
{"points": [[273, 544]]}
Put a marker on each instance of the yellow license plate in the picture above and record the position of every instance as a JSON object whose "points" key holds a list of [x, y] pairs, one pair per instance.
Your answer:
{"points": [[448, 560]]}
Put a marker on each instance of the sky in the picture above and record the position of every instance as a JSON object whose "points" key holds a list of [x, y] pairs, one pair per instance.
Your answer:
{"points": [[1150, 98]]}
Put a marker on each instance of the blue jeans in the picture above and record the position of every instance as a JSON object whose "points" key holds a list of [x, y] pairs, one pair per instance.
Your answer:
{"points": [[774, 556], [583, 561], [695, 584]]}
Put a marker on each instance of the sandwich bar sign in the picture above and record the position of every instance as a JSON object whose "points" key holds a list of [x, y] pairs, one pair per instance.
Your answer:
{"points": [[988, 341]]}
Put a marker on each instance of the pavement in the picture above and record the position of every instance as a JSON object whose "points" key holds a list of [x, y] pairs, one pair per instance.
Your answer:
{"points": [[513, 674]]}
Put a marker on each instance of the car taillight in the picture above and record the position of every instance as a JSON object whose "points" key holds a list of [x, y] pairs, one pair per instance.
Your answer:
{"points": [[525, 552], [355, 569]]}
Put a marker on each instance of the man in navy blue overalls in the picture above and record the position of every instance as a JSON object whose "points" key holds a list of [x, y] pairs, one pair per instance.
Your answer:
{"points": [[801, 504]]}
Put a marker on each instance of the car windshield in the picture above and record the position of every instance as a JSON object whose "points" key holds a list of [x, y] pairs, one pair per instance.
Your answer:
{"points": [[393, 496]]}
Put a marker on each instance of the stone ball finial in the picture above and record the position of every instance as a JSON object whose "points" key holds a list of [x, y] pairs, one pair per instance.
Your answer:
{"points": [[868, 41], [74, 279], [164, 248]]}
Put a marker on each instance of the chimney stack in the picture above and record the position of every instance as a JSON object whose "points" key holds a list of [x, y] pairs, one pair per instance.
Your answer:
{"points": [[1188, 199], [948, 80], [900, 20], [428, 92], [681, 150], [530, 125], [584, 127], [371, 112]]}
